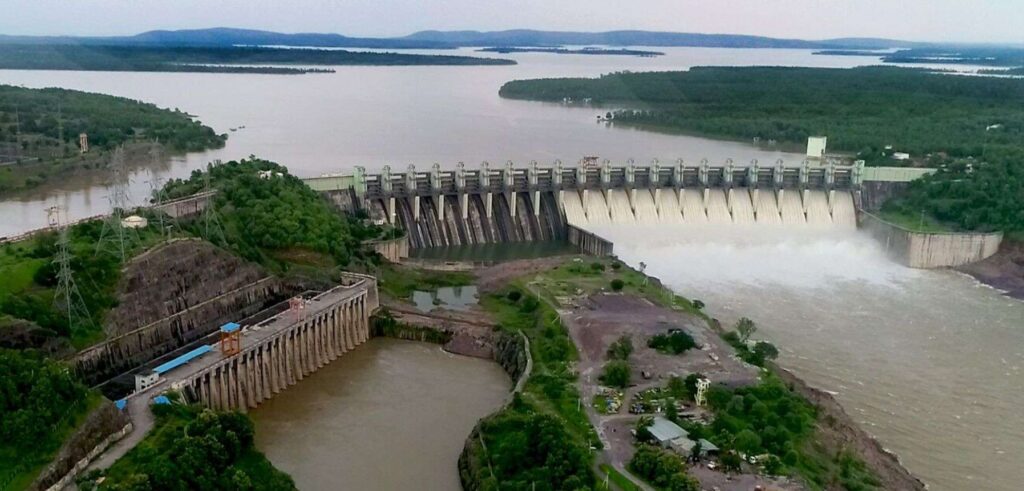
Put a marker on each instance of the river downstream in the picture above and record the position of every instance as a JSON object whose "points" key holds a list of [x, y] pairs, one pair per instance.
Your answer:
{"points": [[930, 362], [389, 415]]}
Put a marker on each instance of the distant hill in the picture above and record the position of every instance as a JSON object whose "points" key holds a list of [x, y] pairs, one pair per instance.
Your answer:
{"points": [[225, 36], [526, 37]]}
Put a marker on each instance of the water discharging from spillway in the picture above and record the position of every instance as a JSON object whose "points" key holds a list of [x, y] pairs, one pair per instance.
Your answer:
{"points": [[930, 362], [738, 206]]}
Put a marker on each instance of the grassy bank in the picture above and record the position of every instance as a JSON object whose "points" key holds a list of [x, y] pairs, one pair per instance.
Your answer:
{"points": [[542, 439]]}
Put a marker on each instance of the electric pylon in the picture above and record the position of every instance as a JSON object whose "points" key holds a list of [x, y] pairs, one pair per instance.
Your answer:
{"points": [[66, 297]]}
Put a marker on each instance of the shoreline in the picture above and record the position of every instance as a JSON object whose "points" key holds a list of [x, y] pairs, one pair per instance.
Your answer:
{"points": [[838, 432], [1004, 271]]}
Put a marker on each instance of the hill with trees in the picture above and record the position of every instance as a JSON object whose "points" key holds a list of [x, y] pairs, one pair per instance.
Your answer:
{"points": [[39, 130]]}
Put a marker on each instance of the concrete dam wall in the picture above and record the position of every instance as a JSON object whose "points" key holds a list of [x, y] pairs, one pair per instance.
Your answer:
{"points": [[930, 250], [493, 218]]}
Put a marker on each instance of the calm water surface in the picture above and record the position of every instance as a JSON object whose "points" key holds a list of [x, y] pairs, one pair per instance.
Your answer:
{"points": [[389, 415], [372, 116]]}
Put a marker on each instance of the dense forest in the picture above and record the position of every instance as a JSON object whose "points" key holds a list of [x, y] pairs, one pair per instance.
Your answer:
{"points": [[40, 403], [204, 59], [971, 194], [274, 218], [196, 449], [861, 110], [940, 120], [39, 130]]}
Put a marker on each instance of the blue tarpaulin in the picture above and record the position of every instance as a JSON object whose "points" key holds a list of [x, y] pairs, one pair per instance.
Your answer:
{"points": [[161, 400], [183, 359], [229, 327], [120, 404]]}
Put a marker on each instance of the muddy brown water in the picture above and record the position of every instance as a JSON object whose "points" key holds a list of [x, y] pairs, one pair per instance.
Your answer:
{"points": [[389, 415]]}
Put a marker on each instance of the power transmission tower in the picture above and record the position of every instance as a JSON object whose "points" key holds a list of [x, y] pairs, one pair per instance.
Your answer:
{"points": [[211, 223], [156, 184], [113, 236], [67, 298]]}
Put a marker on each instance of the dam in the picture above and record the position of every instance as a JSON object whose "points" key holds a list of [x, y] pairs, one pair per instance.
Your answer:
{"points": [[511, 204], [532, 203]]}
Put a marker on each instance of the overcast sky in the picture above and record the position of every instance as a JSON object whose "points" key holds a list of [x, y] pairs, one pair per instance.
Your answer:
{"points": [[924, 20]]}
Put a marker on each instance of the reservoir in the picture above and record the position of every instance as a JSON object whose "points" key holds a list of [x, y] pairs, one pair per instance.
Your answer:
{"points": [[389, 415], [928, 361], [376, 115]]}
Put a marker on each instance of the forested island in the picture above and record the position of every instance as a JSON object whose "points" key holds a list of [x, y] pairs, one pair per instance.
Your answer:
{"points": [[40, 128], [230, 59], [972, 128], [567, 51]]}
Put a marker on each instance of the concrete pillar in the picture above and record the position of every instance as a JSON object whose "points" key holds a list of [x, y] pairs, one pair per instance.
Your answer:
{"points": [[391, 210], [332, 341], [350, 341], [512, 204], [831, 199], [487, 204], [416, 208], [755, 199], [440, 207], [223, 393], [464, 204], [536, 203], [273, 356], [805, 199], [707, 193], [300, 354], [632, 200]]}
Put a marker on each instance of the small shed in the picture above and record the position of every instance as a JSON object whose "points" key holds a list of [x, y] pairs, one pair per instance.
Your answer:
{"points": [[664, 431]]}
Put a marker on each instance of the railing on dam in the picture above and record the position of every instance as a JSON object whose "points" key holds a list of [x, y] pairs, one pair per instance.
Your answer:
{"points": [[534, 178]]}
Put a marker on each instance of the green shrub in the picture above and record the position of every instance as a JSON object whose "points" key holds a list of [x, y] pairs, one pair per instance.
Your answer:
{"points": [[514, 295], [616, 373], [674, 342], [618, 285]]}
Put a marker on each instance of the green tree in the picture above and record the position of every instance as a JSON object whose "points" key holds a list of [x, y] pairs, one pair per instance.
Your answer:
{"points": [[616, 373], [621, 348], [746, 328]]}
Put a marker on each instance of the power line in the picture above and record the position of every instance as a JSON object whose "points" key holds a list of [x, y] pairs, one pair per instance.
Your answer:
{"points": [[113, 236], [67, 298]]}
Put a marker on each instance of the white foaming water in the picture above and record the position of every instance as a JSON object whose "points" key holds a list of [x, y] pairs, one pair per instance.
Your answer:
{"points": [[929, 362], [693, 207], [790, 207], [646, 210], [741, 207], [717, 207], [670, 211], [767, 209], [817, 208], [618, 205], [597, 209]]}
